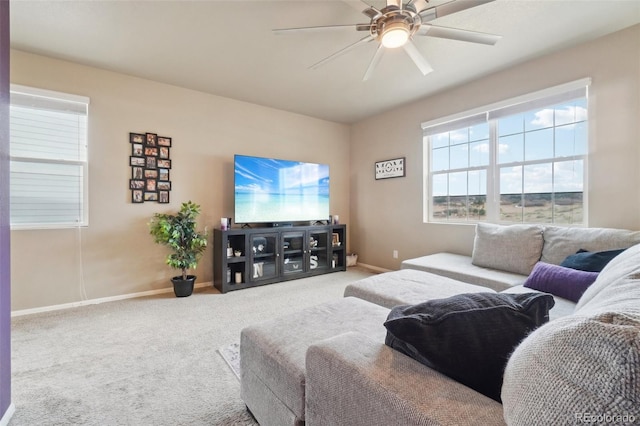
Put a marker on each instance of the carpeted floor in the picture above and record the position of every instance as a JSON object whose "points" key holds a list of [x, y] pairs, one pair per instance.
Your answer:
{"points": [[147, 361]]}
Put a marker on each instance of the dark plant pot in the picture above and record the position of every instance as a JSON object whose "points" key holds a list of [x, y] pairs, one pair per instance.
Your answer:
{"points": [[183, 288]]}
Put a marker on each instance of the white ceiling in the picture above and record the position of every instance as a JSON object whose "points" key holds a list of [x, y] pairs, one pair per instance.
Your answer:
{"points": [[227, 47]]}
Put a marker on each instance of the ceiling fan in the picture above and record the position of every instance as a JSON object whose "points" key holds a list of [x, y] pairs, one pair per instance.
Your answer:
{"points": [[397, 23]]}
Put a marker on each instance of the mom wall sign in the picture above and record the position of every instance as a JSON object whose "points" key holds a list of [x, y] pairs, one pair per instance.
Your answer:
{"points": [[390, 168]]}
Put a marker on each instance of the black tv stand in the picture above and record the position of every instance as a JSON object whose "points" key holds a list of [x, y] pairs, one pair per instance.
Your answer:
{"points": [[249, 257]]}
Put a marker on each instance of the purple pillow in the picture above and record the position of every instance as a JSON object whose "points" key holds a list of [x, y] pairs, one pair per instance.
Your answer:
{"points": [[560, 281]]}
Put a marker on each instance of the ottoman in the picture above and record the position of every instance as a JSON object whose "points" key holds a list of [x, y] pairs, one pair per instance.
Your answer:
{"points": [[408, 287], [272, 355]]}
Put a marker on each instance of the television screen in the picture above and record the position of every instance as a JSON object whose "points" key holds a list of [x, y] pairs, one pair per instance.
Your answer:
{"points": [[271, 190]]}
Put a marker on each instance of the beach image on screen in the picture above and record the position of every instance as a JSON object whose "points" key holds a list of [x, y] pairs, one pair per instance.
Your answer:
{"points": [[270, 190]]}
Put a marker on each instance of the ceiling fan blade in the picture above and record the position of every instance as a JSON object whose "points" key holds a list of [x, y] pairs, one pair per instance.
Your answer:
{"points": [[419, 5], [372, 13], [458, 34], [454, 6], [417, 58], [396, 3], [374, 63], [312, 29], [342, 51]]}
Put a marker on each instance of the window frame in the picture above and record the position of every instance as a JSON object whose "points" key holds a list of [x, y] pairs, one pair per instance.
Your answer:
{"points": [[490, 114], [83, 163]]}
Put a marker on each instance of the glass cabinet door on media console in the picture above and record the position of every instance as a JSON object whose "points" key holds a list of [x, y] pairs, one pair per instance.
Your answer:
{"points": [[319, 243], [264, 256]]}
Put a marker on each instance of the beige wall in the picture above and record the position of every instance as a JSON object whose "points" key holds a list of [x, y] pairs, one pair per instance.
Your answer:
{"points": [[115, 255], [387, 214]]}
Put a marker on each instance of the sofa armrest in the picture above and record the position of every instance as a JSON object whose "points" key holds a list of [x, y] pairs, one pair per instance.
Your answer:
{"points": [[353, 380]]}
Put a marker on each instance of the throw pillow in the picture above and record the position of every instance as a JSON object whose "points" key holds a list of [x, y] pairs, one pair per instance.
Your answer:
{"points": [[467, 337], [560, 281], [513, 248], [590, 261]]}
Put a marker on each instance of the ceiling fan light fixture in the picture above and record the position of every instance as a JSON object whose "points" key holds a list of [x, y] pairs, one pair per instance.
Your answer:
{"points": [[395, 35]]}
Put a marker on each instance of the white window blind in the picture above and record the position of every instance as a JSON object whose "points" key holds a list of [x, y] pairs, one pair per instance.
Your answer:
{"points": [[48, 153], [519, 160]]}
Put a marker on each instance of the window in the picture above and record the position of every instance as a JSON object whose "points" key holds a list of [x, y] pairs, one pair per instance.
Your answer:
{"points": [[522, 160], [48, 159]]}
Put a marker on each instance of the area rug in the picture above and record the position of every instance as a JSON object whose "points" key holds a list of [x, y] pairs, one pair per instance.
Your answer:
{"points": [[231, 355]]}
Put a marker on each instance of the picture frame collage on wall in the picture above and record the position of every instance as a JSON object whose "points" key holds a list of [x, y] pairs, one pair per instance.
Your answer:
{"points": [[150, 163]]}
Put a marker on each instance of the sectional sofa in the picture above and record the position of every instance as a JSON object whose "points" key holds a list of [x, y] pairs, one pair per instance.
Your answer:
{"points": [[329, 365]]}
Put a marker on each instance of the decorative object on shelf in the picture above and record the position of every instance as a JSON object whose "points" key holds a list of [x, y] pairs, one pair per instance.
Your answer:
{"points": [[237, 253], [335, 240], [259, 244], [224, 223], [150, 166], [336, 219], [390, 168], [178, 232]]}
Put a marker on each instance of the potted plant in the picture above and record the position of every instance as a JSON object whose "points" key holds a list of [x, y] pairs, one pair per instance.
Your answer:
{"points": [[178, 232]]}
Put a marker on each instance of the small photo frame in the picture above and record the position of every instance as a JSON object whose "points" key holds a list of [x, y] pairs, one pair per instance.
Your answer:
{"points": [[136, 184], [137, 161], [150, 196], [137, 172], [335, 239], [151, 162], [152, 139], [151, 185], [163, 152], [151, 151], [151, 174], [136, 138], [163, 197], [137, 150], [136, 196], [164, 163], [163, 185], [164, 141], [163, 174]]}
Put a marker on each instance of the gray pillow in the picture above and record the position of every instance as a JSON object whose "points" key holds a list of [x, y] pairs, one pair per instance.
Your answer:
{"points": [[574, 367], [468, 337], [513, 248], [560, 242]]}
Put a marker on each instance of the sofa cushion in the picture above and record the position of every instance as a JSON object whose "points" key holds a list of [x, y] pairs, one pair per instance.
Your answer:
{"points": [[575, 366], [459, 267], [513, 248], [591, 261], [467, 337], [560, 281], [407, 287], [560, 242]]}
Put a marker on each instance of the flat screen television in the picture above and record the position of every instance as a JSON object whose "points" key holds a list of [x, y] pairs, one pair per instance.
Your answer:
{"points": [[268, 190]]}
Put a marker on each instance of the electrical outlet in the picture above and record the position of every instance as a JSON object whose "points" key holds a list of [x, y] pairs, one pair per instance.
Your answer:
{"points": [[395, 254]]}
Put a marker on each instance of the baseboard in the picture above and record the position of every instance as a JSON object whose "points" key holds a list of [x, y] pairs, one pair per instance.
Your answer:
{"points": [[374, 268], [98, 301], [6, 417]]}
